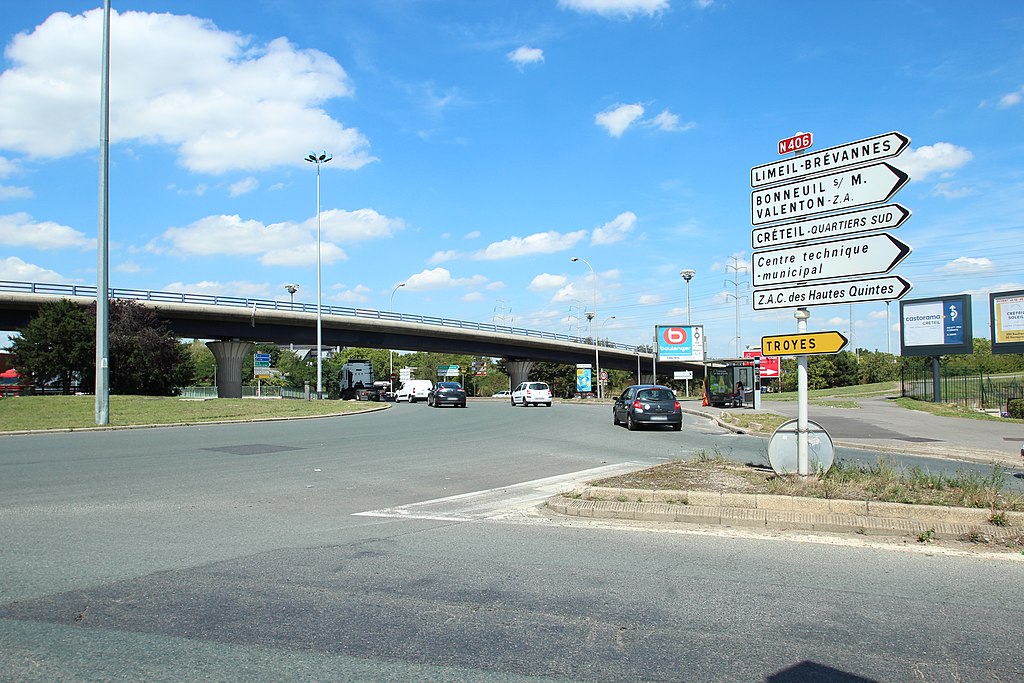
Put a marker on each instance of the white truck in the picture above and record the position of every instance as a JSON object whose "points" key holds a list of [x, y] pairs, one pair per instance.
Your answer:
{"points": [[355, 381]]}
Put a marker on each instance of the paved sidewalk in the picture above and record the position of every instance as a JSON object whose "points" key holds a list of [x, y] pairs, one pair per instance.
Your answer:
{"points": [[880, 424]]}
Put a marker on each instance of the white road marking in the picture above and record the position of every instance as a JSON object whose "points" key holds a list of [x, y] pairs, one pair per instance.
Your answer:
{"points": [[501, 502]]}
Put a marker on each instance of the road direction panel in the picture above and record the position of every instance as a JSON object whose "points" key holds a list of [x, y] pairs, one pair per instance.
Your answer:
{"points": [[830, 260], [831, 159], [803, 344], [824, 194], [886, 288], [884, 217]]}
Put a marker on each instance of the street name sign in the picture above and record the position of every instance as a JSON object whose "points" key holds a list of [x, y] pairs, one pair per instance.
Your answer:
{"points": [[831, 159], [824, 194], [803, 344], [886, 288], [885, 217], [796, 143], [830, 260]]}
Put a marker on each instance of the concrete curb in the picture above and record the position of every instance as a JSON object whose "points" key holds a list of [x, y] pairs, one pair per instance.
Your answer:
{"points": [[783, 512]]}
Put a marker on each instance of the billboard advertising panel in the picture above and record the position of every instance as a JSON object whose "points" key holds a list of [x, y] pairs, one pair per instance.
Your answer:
{"points": [[937, 326], [1007, 311], [679, 343]]}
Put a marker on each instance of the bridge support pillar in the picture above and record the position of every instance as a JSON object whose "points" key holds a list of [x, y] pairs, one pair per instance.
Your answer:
{"points": [[230, 355], [518, 371]]}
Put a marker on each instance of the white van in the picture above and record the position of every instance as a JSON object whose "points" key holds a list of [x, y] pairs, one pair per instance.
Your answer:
{"points": [[414, 390]]}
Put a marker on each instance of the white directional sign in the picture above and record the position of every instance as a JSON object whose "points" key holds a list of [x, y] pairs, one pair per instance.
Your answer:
{"points": [[831, 159], [833, 192], [828, 260], [886, 288], [885, 217]]}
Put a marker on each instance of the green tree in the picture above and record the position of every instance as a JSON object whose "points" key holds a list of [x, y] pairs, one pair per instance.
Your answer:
{"points": [[58, 344], [204, 365], [145, 356]]}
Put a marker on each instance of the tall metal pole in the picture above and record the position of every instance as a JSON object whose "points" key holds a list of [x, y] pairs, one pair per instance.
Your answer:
{"points": [[102, 265], [802, 464], [597, 355], [687, 275], [391, 352], [319, 159], [736, 268]]}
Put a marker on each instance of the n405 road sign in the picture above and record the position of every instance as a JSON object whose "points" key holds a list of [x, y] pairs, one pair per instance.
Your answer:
{"points": [[833, 192], [828, 260]]}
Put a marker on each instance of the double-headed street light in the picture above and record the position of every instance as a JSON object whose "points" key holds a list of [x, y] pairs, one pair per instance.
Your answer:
{"points": [[597, 356], [291, 289], [391, 352], [318, 159]]}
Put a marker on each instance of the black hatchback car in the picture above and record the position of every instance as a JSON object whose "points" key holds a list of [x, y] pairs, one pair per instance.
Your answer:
{"points": [[647, 404], [450, 393]]}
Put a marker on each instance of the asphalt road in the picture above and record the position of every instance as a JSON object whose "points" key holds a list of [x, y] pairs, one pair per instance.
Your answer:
{"points": [[406, 545]]}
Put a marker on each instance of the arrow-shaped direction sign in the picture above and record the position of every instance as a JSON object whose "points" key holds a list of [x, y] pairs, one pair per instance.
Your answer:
{"points": [[885, 217], [833, 192], [886, 288], [830, 260], [804, 344], [831, 159]]}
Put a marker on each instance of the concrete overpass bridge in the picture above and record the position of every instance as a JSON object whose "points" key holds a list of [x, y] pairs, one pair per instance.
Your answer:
{"points": [[234, 323]]}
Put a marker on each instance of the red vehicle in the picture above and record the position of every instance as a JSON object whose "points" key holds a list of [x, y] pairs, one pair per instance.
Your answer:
{"points": [[10, 383]]}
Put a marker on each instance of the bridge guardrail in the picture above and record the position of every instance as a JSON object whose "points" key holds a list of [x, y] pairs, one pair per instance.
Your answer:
{"points": [[270, 304]]}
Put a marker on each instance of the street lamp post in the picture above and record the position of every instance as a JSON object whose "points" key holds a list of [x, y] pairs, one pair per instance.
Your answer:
{"points": [[597, 356], [318, 159], [391, 352], [687, 275], [291, 289]]}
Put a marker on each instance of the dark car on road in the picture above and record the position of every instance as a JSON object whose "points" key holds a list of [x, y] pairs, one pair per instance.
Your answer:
{"points": [[647, 404], [447, 393]]}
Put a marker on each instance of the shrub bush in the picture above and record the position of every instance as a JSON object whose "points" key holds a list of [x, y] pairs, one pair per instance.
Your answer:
{"points": [[1015, 408]]}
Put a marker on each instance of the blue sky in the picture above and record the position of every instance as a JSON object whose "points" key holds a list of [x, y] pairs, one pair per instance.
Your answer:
{"points": [[479, 145]]}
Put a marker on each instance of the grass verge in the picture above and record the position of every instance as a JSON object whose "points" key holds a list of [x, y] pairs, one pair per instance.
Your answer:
{"points": [[75, 412]]}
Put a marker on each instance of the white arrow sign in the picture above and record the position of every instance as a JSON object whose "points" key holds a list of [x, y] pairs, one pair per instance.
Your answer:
{"points": [[831, 159], [833, 192], [885, 217], [885, 288], [828, 260]]}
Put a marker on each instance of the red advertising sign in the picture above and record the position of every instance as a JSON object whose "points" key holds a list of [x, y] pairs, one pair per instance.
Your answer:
{"points": [[769, 364], [797, 143]]}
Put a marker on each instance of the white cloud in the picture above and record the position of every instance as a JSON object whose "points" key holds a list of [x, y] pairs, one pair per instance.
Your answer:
{"points": [[619, 118], [473, 296], [128, 267], [920, 162], [304, 255], [355, 295], [7, 167], [12, 192], [613, 8], [238, 288], [13, 268], [537, 243], [614, 230], [355, 226], [223, 101], [669, 122], [243, 186], [19, 230], [442, 256], [1011, 99], [965, 265], [647, 299], [546, 281], [950, 191], [524, 55], [472, 235], [441, 278]]}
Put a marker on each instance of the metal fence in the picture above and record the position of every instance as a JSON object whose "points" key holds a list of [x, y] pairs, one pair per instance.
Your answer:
{"points": [[979, 391], [247, 392], [270, 304]]}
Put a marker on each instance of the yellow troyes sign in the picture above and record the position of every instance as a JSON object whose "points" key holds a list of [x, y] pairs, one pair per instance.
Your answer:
{"points": [[803, 344]]}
